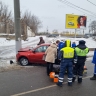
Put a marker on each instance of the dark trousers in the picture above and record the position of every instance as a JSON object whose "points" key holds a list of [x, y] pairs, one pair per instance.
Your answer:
{"points": [[66, 64], [49, 67], [79, 67]]}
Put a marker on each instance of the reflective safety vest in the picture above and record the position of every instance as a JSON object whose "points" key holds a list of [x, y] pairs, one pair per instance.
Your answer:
{"points": [[81, 52], [68, 52]]}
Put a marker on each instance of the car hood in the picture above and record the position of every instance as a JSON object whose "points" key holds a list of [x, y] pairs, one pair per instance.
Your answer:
{"points": [[25, 49]]}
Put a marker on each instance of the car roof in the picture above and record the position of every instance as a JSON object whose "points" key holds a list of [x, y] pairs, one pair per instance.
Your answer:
{"points": [[44, 44]]}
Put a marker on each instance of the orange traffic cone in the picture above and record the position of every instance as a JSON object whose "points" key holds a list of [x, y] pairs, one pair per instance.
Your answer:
{"points": [[55, 80], [52, 75]]}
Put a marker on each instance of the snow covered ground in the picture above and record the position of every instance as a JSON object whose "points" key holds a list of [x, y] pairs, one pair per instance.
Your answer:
{"points": [[8, 50]]}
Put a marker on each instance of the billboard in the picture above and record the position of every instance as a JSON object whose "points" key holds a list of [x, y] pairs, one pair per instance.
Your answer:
{"points": [[75, 21]]}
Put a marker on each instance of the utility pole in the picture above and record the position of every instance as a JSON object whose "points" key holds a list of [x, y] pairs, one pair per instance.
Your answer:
{"points": [[47, 29], [17, 24]]}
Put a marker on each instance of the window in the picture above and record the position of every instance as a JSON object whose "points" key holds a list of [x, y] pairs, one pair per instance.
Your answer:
{"points": [[41, 49]]}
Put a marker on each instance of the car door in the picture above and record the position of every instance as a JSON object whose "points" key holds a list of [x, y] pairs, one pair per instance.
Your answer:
{"points": [[37, 56]]}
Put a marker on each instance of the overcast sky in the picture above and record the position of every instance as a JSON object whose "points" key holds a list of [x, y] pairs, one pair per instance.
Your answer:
{"points": [[52, 13]]}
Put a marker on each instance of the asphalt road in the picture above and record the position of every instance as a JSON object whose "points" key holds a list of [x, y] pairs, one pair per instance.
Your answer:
{"points": [[33, 81]]}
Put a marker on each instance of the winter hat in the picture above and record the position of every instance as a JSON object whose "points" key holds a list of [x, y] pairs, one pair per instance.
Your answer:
{"points": [[82, 42]]}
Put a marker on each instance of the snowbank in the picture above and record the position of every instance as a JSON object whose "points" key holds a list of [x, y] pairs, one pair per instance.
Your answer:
{"points": [[7, 48]]}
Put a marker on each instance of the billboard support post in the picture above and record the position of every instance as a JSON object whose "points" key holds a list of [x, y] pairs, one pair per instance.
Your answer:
{"points": [[83, 33], [75, 33]]}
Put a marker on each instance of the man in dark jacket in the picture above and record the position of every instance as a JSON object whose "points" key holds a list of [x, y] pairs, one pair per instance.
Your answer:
{"points": [[41, 41], [81, 51]]}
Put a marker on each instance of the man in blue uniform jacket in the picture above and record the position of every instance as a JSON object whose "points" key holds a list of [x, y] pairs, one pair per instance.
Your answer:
{"points": [[73, 45], [67, 56], [61, 45], [94, 62]]}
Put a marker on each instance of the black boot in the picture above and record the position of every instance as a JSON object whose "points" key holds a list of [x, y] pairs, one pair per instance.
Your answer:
{"points": [[69, 83], [79, 80], [73, 79], [59, 84], [93, 78]]}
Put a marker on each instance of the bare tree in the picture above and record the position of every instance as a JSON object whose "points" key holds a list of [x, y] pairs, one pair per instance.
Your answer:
{"points": [[1, 8], [5, 16], [93, 27], [32, 21]]}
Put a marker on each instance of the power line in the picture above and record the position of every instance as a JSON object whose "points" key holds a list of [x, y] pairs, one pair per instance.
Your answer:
{"points": [[91, 3], [80, 8], [71, 5]]}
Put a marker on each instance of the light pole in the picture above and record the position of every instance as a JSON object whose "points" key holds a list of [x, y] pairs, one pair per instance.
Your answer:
{"points": [[17, 25]]}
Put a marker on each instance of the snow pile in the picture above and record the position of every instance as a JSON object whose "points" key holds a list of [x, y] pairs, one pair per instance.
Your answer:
{"points": [[8, 50]]}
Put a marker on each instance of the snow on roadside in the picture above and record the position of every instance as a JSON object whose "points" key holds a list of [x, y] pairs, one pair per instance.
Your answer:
{"points": [[10, 53]]}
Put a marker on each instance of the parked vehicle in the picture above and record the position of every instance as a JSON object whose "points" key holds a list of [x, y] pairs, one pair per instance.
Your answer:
{"points": [[33, 55], [52, 35]]}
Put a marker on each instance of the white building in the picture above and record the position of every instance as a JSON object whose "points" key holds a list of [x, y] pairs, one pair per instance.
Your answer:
{"points": [[29, 32]]}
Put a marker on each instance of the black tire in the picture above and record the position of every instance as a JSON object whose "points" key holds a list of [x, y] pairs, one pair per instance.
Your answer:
{"points": [[23, 61]]}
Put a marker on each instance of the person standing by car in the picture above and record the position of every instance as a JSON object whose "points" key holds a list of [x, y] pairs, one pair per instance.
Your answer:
{"points": [[51, 54], [41, 41], [61, 44], [57, 61], [67, 56], [81, 51], [73, 45], [94, 62]]}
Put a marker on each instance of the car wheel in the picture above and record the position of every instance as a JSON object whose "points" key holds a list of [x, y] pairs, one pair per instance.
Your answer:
{"points": [[24, 61]]}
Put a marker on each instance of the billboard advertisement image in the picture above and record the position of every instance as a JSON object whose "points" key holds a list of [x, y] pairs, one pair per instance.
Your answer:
{"points": [[75, 21]]}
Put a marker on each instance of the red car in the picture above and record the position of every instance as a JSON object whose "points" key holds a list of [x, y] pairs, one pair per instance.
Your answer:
{"points": [[33, 55]]}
